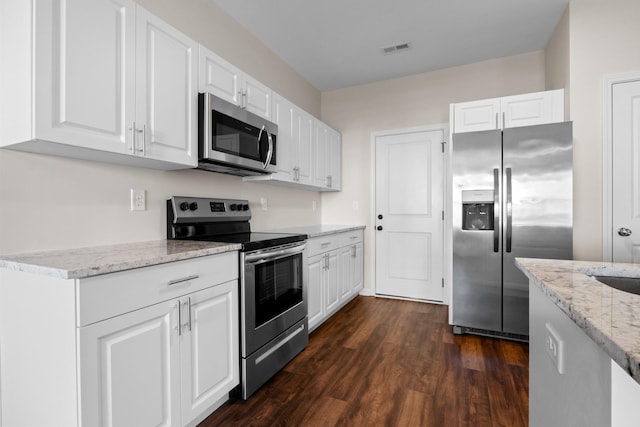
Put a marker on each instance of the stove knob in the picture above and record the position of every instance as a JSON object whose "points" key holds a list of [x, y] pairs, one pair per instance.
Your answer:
{"points": [[184, 206], [245, 207], [233, 206], [193, 206]]}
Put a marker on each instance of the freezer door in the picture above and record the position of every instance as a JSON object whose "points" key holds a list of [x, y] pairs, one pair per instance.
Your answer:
{"points": [[477, 248], [537, 211]]}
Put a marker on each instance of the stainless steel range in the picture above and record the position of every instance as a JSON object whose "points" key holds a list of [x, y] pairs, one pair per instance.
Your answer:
{"points": [[273, 282]]}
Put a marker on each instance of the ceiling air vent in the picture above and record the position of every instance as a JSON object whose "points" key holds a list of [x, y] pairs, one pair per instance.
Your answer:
{"points": [[396, 48]]}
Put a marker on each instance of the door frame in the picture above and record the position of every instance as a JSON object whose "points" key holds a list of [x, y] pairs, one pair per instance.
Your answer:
{"points": [[607, 158], [446, 244]]}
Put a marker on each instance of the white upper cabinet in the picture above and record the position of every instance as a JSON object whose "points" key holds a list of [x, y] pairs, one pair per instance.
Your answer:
{"points": [[295, 146], [510, 111], [219, 77], [166, 92], [327, 158], [105, 81]]}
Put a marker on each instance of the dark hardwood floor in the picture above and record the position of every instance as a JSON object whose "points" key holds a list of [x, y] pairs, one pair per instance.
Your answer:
{"points": [[384, 362]]}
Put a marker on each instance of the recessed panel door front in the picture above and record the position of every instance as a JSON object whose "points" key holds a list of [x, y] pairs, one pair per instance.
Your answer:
{"points": [[409, 198]]}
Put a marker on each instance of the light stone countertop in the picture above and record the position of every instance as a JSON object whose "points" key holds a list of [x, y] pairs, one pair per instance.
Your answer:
{"points": [[320, 230], [610, 317], [92, 261]]}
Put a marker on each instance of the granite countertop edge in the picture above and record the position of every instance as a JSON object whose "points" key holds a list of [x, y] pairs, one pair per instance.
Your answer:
{"points": [[313, 231], [579, 271], [81, 263]]}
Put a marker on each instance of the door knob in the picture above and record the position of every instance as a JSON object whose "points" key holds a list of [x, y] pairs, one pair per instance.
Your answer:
{"points": [[379, 228], [624, 232]]}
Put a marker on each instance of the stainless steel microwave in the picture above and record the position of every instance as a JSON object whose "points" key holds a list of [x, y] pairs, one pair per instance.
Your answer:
{"points": [[233, 140]]}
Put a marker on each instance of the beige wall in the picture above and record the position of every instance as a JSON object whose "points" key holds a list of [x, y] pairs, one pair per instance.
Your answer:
{"points": [[412, 101], [604, 39], [56, 203], [557, 60]]}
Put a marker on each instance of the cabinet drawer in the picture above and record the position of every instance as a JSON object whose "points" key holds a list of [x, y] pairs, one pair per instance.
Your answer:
{"points": [[319, 245], [350, 238], [102, 297]]}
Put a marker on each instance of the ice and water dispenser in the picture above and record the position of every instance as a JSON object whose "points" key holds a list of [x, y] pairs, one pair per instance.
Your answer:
{"points": [[477, 210]]}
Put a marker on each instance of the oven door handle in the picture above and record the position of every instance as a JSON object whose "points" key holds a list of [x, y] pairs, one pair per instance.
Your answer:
{"points": [[261, 258]]}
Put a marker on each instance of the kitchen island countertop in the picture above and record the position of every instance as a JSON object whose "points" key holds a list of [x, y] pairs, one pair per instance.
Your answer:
{"points": [[321, 230], [610, 317], [92, 261]]}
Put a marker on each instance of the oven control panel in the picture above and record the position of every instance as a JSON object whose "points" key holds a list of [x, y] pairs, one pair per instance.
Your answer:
{"points": [[201, 209]]}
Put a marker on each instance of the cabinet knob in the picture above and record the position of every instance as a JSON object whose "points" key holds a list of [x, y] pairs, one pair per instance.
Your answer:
{"points": [[379, 228], [379, 216]]}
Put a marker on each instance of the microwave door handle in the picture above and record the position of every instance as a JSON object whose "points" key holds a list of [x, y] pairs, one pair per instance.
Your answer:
{"points": [[270, 151]]}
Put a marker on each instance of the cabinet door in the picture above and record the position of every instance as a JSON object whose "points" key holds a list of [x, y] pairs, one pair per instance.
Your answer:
{"points": [[304, 146], [129, 369], [332, 282], [257, 97], [334, 160], [285, 143], [345, 272], [477, 115], [219, 77], [315, 303], [358, 269], [209, 348], [320, 161], [84, 81], [532, 109], [166, 92]]}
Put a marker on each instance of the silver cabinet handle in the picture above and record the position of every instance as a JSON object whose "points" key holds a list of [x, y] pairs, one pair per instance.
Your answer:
{"points": [[189, 317], [503, 120], [179, 318], [509, 211], [132, 128], [143, 131], [496, 210], [497, 121], [624, 232], [184, 279]]}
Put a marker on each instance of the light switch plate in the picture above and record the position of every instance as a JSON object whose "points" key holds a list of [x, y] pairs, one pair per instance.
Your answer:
{"points": [[554, 347]]}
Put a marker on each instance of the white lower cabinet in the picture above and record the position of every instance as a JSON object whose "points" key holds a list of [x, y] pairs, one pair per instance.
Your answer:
{"points": [[335, 273], [150, 346]]}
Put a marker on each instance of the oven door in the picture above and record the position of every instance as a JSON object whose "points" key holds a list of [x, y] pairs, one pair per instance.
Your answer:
{"points": [[232, 136], [273, 293]]}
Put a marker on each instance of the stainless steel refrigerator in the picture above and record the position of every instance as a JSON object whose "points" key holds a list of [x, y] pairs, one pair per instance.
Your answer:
{"points": [[512, 197]]}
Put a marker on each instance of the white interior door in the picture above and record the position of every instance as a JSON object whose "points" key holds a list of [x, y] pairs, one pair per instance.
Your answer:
{"points": [[408, 215], [626, 172]]}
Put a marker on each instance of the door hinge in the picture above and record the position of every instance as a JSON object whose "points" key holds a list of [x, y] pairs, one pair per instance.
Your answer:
{"points": [[442, 143], [443, 215], [443, 282]]}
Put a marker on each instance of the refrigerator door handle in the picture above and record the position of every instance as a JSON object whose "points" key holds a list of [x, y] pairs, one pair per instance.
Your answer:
{"points": [[496, 210], [509, 211]]}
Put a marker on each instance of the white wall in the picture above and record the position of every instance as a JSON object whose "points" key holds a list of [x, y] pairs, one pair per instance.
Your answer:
{"points": [[604, 39], [412, 101], [56, 203]]}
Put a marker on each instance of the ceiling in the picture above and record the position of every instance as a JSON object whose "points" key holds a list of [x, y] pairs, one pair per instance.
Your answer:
{"points": [[338, 43]]}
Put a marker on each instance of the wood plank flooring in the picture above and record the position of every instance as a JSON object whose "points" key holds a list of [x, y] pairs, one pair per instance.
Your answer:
{"points": [[384, 362]]}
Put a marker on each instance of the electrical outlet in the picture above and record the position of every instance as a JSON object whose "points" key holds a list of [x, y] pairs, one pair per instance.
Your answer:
{"points": [[355, 205], [314, 205], [554, 347], [263, 202], [138, 200]]}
